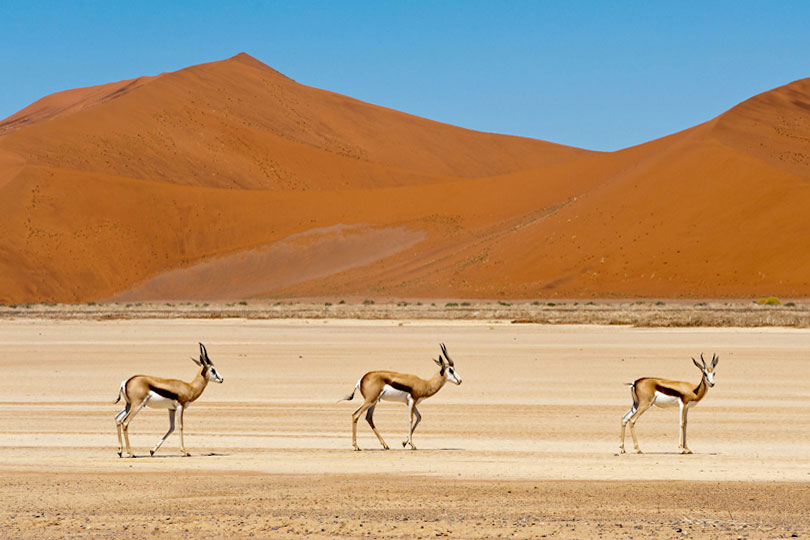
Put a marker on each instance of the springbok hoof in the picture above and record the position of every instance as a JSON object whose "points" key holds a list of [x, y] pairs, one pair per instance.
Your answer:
{"points": [[639, 451], [621, 451], [151, 453], [685, 451], [357, 449]]}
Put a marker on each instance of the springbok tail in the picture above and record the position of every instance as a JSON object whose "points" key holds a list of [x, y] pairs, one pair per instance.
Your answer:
{"points": [[120, 392], [350, 397], [632, 386]]}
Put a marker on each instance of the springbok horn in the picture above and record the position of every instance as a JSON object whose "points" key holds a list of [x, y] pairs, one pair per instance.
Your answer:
{"points": [[446, 356], [204, 354], [702, 360]]}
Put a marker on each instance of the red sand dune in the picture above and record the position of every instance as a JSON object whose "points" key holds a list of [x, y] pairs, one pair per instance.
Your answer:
{"points": [[202, 183]]}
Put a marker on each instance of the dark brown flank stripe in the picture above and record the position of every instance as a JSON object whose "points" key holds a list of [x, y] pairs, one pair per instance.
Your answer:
{"points": [[164, 393], [667, 391], [400, 386]]}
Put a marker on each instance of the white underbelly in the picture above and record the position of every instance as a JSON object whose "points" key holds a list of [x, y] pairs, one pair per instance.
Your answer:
{"points": [[663, 400], [390, 393], [156, 401]]}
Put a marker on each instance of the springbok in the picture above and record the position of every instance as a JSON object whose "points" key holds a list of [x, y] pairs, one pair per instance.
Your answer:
{"points": [[142, 390], [409, 389], [649, 391]]}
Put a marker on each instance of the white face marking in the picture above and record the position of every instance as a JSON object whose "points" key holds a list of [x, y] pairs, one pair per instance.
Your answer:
{"points": [[213, 375], [390, 393], [452, 376], [709, 377]]}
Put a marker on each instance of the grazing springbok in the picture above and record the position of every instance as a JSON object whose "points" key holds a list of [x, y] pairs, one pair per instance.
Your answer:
{"points": [[649, 391], [409, 389], [142, 390]]}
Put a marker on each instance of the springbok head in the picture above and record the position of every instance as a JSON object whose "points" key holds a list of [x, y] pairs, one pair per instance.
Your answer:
{"points": [[708, 371], [447, 366], [209, 371]]}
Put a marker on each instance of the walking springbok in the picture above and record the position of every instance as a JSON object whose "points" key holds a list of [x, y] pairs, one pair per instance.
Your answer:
{"points": [[649, 391], [142, 390], [409, 389]]}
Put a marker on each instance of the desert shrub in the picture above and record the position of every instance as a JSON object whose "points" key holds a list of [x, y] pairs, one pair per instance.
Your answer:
{"points": [[451, 304], [465, 303], [242, 303], [342, 302], [770, 301], [659, 303], [327, 304], [790, 304], [535, 303], [502, 303], [551, 304], [368, 302]]}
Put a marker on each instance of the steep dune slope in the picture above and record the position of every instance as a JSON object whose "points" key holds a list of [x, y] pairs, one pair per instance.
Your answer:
{"points": [[229, 180], [103, 188], [715, 211]]}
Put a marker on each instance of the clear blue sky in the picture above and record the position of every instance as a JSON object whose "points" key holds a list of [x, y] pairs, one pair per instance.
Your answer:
{"points": [[595, 74]]}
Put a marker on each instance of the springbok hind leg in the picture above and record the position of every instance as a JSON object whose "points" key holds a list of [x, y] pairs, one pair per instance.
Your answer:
{"points": [[632, 421], [127, 419], [625, 419], [118, 419], [355, 417], [370, 420]]}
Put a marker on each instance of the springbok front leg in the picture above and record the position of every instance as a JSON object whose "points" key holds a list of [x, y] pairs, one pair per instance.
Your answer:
{"points": [[684, 412], [183, 450], [172, 413], [412, 426]]}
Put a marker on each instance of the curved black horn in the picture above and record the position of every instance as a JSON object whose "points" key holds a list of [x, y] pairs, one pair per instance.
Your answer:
{"points": [[715, 359], [204, 354], [446, 356]]}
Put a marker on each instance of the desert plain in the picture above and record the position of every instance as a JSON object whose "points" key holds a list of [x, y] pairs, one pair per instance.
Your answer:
{"points": [[526, 447]]}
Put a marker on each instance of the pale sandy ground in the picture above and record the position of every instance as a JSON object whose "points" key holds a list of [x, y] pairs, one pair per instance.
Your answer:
{"points": [[525, 447]]}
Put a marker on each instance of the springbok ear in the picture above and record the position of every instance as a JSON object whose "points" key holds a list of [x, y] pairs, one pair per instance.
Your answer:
{"points": [[715, 360], [196, 361], [697, 364], [439, 361]]}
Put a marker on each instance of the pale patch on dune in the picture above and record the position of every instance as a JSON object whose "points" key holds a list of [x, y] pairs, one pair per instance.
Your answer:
{"points": [[299, 257]]}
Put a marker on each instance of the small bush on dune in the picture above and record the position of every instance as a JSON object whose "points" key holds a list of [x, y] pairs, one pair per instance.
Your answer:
{"points": [[770, 301]]}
